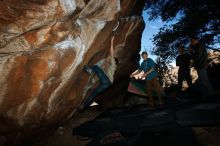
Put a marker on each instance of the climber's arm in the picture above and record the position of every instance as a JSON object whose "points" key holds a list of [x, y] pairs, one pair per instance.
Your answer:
{"points": [[135, 73], [148, 72], [112, 47], [140, 69]]}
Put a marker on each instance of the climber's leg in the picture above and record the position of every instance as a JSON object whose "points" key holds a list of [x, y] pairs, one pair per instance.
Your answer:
{"points": [[88, 101], [104, 84], [99, 72], [101, 75]]}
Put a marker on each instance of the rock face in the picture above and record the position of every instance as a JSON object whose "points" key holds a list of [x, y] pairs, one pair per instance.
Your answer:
{"points": [[43, 47]]}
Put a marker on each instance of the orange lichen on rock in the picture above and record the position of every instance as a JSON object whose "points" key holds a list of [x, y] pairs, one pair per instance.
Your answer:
{"points": [[43, 47]]}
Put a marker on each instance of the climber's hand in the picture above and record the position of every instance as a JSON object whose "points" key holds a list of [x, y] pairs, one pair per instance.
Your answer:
{"points": [[131, 75]]}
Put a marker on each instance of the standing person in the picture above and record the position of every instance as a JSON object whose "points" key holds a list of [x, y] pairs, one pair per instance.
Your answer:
{"points": [[150, 75], [104, 70], [183, 61], [200, 62]]}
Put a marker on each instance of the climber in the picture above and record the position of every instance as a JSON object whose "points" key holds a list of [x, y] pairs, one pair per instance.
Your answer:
{"points": [[183, 61], [104, 69], [150, 75]]}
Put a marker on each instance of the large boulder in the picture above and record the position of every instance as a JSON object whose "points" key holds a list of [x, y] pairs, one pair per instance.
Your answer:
{"points": [[43, 47]]}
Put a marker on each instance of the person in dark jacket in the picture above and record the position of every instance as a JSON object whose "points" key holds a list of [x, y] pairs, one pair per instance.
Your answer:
{"points": [[183, 62], [200, 62]]}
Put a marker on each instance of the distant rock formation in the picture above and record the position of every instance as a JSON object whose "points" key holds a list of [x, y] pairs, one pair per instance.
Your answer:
{"points": [[43, 47]]}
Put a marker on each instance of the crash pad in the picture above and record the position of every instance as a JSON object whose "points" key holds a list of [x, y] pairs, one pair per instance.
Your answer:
{"points": [[139, 87]]}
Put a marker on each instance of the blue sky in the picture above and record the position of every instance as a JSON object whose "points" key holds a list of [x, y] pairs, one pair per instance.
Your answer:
{"points": [[151, 28]]}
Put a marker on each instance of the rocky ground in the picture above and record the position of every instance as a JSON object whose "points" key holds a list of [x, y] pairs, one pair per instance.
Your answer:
{"points": [[63, 135], [204, 136]]}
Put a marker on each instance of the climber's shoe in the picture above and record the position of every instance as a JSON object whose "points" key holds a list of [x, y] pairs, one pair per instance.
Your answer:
{"points": [[87, 69]]}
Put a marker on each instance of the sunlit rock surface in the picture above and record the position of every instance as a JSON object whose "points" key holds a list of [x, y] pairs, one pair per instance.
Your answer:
{"points": [[43, 47]]}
